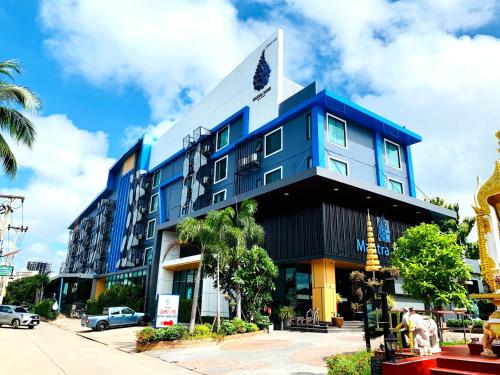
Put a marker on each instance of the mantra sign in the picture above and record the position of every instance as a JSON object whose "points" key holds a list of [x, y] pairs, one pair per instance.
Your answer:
{"points": [[384, 236]]}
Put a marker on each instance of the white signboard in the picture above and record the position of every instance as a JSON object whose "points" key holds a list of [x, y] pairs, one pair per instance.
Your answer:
{"points": [[257, 83], [167, 310]]}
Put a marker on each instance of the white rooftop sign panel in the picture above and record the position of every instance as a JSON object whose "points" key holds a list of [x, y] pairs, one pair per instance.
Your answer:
{"points": [[237, 90]]}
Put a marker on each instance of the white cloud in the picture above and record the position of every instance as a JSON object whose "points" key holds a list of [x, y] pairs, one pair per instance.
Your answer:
{"points": [[420, 72], [173, 50], [68, 166]]}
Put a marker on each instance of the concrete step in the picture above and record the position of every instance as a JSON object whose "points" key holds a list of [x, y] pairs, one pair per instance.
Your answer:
{"points": [[474, 367]]}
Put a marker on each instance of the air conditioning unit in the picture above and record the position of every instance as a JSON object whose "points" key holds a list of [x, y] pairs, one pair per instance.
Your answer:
{"points": [[143, 210], [248, 160], [207, 149], [205, 180], [139, 236]]}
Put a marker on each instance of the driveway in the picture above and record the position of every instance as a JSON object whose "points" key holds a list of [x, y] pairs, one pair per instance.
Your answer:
{"points": [[50, 350], [281, 352]]}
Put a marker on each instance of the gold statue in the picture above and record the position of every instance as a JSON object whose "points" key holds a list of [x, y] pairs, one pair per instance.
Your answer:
{"points": [[487, 208]]}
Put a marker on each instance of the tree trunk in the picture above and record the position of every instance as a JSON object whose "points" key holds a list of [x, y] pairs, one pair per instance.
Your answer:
{"points": [[238, 302], [218, 296], [196, 293]]}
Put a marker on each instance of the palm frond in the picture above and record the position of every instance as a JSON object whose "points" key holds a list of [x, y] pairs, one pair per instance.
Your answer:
{"points": [[18, 126], [8, 67], [19, 95], [7, 158]]}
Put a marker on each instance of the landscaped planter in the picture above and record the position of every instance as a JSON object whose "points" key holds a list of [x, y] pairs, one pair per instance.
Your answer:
{"points": [[176, 344]]}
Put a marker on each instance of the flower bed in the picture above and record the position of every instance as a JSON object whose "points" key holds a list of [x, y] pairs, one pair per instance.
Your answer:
{"points": [[178, 335]]}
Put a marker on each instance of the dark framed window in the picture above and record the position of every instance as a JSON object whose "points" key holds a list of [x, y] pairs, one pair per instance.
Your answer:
{"points": [[183, 284], [339, 166], [308, 126], [220, 196], [337, 131], [222, 139], [395, 186], [220, 169], [273, 175], [151, 229], [156, 178], [273, 142], [148, 257], [153, 204], [309, 162], [392, 154]]}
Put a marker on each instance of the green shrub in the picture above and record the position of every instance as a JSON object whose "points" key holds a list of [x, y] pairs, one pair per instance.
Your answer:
{"points": [[185, 310], [93, 307], [227, 327], [202, 330], [373, 316], [478, 323], [262, 321], [457, 323], [349, 364], [251, 327], [118, 295], [239, 325], [146, 335], [44, 308]]}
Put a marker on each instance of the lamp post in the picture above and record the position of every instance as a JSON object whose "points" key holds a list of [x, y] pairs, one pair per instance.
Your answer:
{"points": [[390, 344]]}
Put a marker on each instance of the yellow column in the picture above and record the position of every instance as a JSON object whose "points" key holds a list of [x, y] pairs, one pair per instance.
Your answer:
{"points": [[323, 288], [99, 286]]}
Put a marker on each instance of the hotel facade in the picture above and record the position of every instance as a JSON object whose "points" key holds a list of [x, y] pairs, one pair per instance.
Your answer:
{"points": [[314, 161]]}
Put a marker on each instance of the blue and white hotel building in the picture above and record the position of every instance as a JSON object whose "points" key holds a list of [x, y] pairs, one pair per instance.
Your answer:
{"points": [[314, 161]]}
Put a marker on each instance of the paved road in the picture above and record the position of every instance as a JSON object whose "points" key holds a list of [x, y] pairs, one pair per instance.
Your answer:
{"points": [[48, 349]]}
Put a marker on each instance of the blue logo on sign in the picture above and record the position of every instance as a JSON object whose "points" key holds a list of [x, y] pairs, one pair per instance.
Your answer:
{"points": [[262, 73], [384, 233]]}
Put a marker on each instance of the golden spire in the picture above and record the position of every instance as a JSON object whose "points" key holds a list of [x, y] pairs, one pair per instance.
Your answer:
{"points": [[372, 262]]}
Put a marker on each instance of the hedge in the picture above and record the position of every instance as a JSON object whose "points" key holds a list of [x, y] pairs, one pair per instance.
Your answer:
{"points": [[457, 323], [44, 308], [117, 295], [349, 364]]}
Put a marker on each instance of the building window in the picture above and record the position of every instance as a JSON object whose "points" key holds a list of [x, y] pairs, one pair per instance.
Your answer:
{"points": [[156, 178], [308, 126], [392, 154], [149, 256], [151, 229], [273, 175], [337, 131], [183, 284], [309, 162], [395, 186], [220, 169], [273, 142], [339, 166], [222, 139], [153, 204], [220, 196]]}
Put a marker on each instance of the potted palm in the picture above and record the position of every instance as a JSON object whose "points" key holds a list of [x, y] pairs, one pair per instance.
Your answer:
{"points": [[286, 314], [337, 320]]}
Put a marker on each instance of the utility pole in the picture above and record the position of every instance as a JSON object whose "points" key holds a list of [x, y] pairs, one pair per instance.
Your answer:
{"points": [[6, 210]]}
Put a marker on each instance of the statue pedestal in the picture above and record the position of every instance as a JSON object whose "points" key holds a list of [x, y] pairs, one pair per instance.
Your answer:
{"points": [[494, 319]]}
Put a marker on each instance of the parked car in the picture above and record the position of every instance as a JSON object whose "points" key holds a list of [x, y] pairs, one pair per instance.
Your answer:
{"points": [[114, 317], [17, 316]]}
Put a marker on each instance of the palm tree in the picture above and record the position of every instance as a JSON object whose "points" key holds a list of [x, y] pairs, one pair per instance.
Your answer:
{"points": [[193, 232], [247, 233], [13, 122]]}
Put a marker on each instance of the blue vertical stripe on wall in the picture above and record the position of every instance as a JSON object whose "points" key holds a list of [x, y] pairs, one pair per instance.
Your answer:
{"points": [[318, 136], [411, 180], [379, 159], [246, 120], [120, 219], [162, 205], [147, 144]]}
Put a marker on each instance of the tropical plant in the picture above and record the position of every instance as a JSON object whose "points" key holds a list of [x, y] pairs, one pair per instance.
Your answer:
{"points": [[28, 290], [287, 312], [44, 308], [118, 295], [197, 233], [12, 121], [349, 364], [462, 229], [432, 266]]}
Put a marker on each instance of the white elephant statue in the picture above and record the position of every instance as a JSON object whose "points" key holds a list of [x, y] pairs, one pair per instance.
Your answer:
{"points": [[424, 331]]}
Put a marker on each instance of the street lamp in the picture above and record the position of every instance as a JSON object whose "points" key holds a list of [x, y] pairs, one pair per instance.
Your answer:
{"points": [[391, 344]]}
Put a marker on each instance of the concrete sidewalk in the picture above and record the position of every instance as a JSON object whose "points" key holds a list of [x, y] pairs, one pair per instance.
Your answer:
{"points": [[119, 338]]}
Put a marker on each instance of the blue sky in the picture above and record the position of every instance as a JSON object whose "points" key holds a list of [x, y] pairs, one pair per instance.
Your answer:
{"points": [[108, 71]]}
